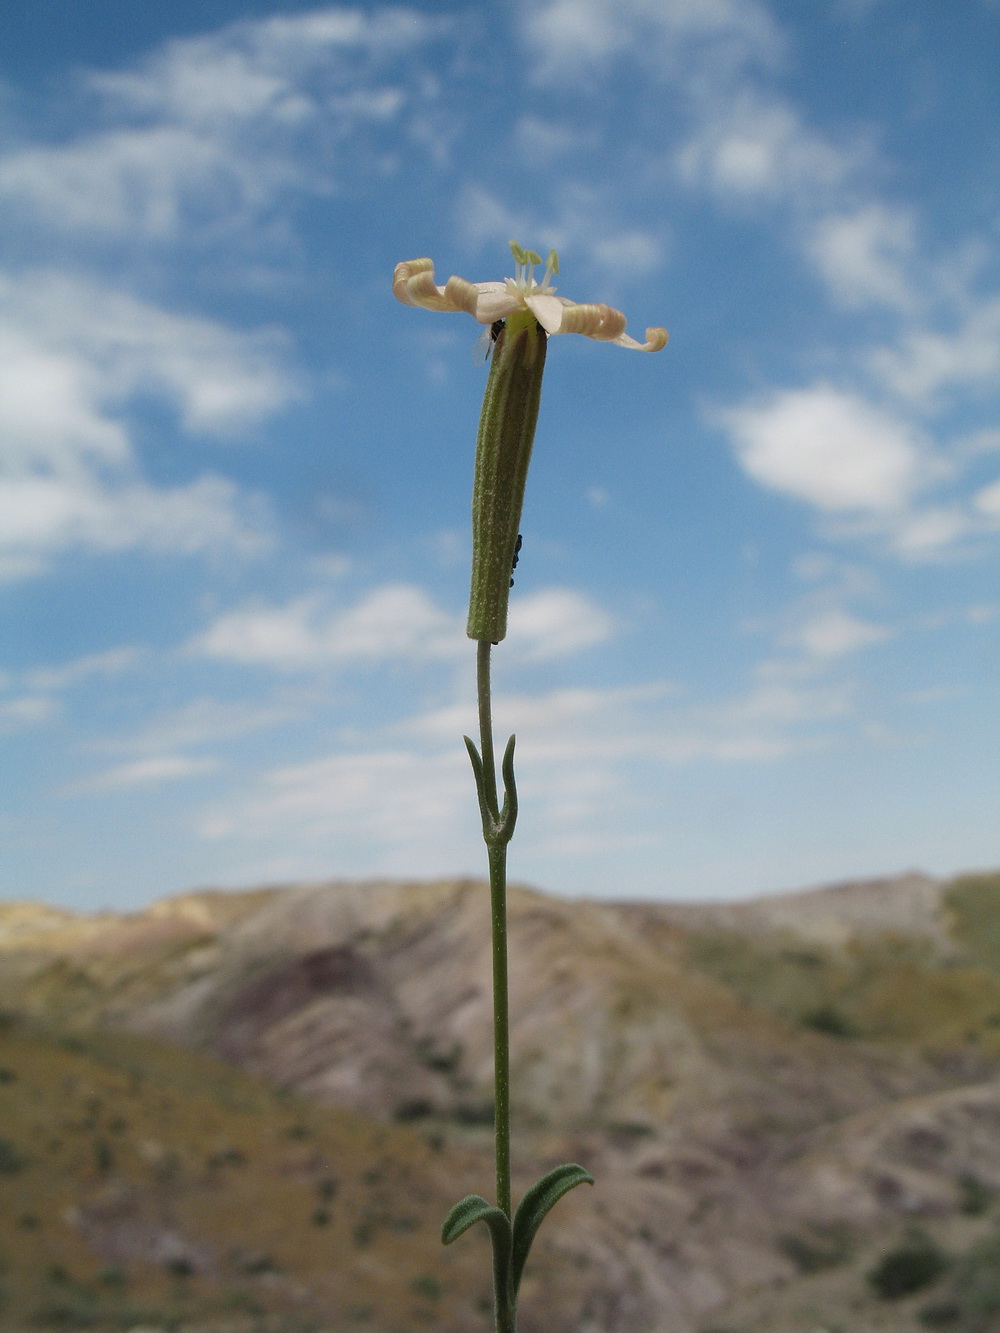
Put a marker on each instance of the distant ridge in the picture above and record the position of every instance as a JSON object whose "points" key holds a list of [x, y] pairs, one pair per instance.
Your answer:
{"points": [[771, 1094], [910, 903]]}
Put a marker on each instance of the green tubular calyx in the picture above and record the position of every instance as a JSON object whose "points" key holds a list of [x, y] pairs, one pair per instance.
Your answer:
{"points": [[503, 452]]}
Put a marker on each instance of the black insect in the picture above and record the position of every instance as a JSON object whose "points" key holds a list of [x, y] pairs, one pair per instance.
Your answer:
{"points": [[517, 549], [484, 342]]}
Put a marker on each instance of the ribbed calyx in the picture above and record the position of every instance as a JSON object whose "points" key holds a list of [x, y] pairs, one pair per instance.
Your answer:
{"points": [[503, 452]]}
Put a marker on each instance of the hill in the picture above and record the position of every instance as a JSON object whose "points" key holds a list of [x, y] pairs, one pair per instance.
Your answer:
{"points": [[250, 1111]]}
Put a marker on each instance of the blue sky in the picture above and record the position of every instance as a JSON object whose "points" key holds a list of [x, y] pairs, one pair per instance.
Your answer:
{"points": [[753, 638]]}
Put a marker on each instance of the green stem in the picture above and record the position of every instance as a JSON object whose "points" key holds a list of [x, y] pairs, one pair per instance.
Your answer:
{"points": [[486, 727], [496, 846], [501, 1026]]}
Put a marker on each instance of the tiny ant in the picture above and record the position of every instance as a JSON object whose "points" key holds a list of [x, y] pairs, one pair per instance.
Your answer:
{"points": [[517, 548]]}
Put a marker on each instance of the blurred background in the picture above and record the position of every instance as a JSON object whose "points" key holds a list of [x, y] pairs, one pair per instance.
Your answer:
{"points": [[754, 629]]}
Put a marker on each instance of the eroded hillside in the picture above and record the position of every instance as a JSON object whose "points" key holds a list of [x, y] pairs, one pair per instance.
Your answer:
{"points": [[772, 1095]]}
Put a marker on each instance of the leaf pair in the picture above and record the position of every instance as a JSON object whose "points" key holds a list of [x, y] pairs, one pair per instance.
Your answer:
{"points": [[511, 1244]]}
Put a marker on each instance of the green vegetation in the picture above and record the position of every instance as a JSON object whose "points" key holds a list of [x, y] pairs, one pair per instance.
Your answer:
{"points": [[830, 1020], [165, 1190], [11, 1161], [883, 988], [976, 1196], [973, 902], [972, 1304], [909, 1267], [824, 1245]]}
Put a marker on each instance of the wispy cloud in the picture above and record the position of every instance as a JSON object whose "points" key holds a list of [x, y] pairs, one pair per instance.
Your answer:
{"points": [[26, 710], [567, 38], [834, 633], [584, 755], [583, 220], [864, 255], [211, 130], [755, 146], [396, 622], [74, 358], [927, 363], [399, 621], [113, 662], [144, 773]]}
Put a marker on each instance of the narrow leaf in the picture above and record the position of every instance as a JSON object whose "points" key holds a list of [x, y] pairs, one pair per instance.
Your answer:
{"points": [[470, 1210], [532, 1209], [466, 1213]]}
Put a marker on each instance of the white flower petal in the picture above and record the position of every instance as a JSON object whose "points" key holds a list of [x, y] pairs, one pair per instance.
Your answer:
{"points": [[548, 310], [495, 305]]}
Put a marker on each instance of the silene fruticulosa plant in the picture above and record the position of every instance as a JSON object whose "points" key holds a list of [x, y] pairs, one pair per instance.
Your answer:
{"points": [[519, 314]]}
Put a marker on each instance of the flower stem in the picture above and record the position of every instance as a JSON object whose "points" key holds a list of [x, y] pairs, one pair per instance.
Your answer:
{"points": [[497, 853], [501, 1024]]}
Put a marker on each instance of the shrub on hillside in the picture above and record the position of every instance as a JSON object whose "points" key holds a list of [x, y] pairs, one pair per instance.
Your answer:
{"points": [[910, 1267]]}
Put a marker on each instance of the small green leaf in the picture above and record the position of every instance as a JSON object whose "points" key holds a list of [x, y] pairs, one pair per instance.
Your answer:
{"points": [[533, 1207], [470, 1210], [466, 1213]]}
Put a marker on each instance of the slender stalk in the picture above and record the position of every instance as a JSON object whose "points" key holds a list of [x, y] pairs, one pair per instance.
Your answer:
{"points": [[486, 727], [497, 853], [497, 831], [501, 1024]]}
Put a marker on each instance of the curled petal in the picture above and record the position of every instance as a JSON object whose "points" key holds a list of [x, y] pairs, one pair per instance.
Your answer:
{"points": [[408, 273], [593, 321], [462, 295], [656, 340], [413, 284], [612, 323]]}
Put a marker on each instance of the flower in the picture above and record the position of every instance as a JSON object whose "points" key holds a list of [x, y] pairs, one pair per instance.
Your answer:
{"points": [[413, 284]]}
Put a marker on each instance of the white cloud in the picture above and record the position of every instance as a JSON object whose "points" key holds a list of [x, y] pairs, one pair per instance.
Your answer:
{"points": [[927, 532], [215, 126], [583, 224], [40, 517], [76, 350], [142, 773], [545, 140], [393, 807], [555, 623], [146, 182], [204, 720], [757, 146], [27, 710], [408, 799], [926, 362], [987, 500], [110, 663], [281, 68], [566, 38], [834, 633], [634, 254], [829, 448], [74, 356], [863, 256], [396, 622]]}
